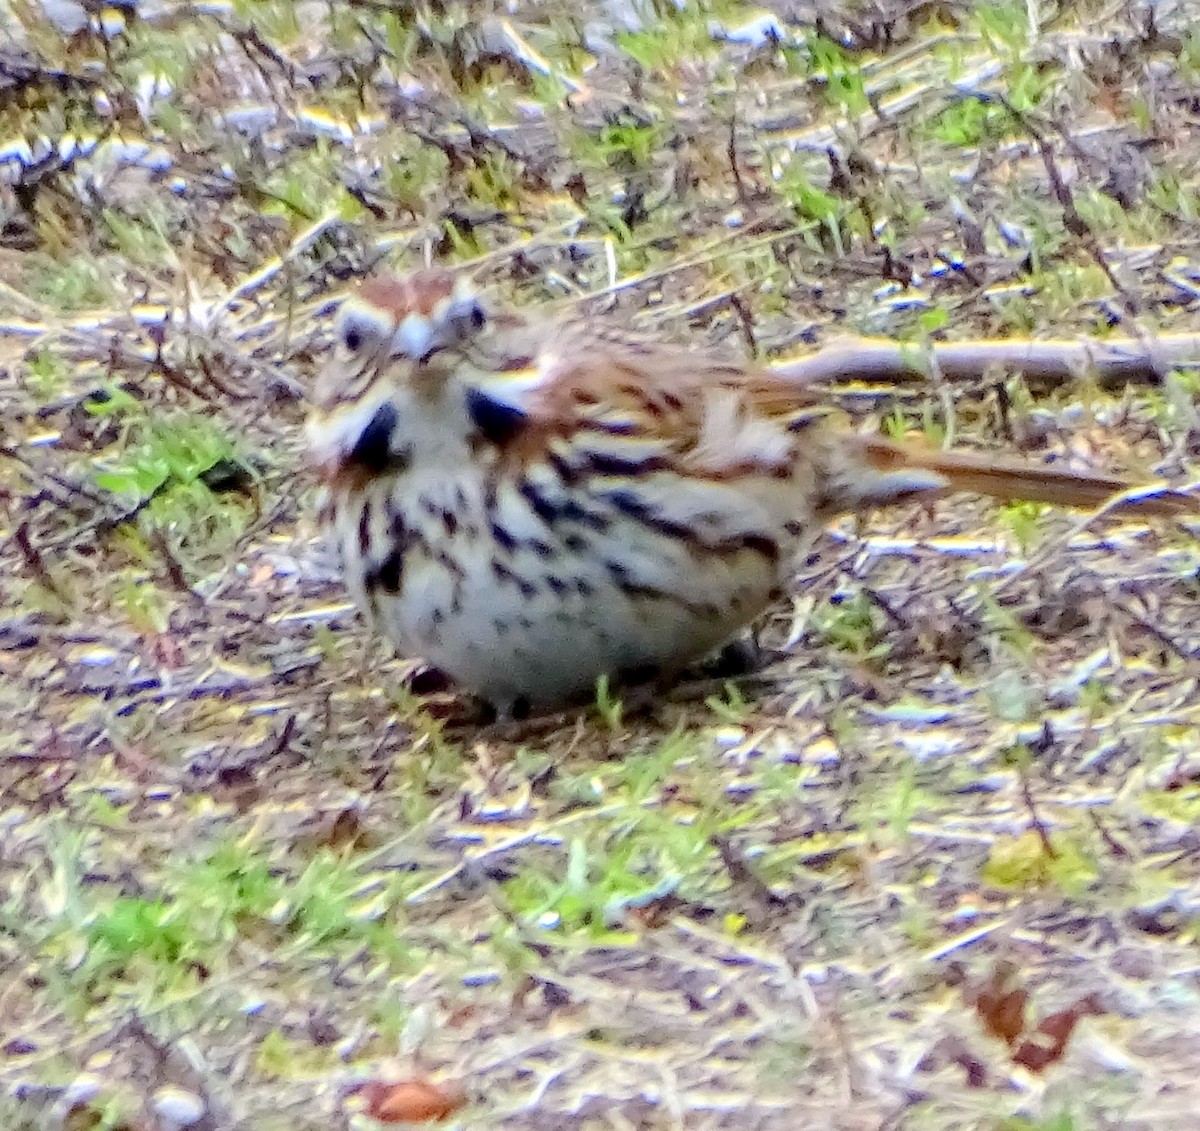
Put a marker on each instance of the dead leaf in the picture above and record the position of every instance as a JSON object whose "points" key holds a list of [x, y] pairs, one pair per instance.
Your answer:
{"points": [[410, 1101], [1001, 1005], [1048, 1042], [167, 651]]}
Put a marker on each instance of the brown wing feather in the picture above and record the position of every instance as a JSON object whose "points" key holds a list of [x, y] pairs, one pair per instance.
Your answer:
{"points": [[648, 390], [580, 378], [667, 392]]}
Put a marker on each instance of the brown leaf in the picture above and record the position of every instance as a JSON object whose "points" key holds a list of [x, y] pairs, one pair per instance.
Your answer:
{"points": [[168, 651], [410, 1101], [461, 1016], [1048, 1042], [1001, 1006]]}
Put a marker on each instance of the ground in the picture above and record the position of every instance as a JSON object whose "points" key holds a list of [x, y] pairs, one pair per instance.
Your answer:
{"points": [[245, 868]]}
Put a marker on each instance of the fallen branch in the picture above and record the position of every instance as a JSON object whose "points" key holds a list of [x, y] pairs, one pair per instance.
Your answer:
{"points": [[1113, 362]]}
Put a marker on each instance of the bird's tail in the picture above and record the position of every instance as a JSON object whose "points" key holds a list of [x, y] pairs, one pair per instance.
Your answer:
{"points": [[891, 472]]}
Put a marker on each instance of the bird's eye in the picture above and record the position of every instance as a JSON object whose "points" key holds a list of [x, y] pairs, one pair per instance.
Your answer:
{"points": [[462, 321], [360, 329]]}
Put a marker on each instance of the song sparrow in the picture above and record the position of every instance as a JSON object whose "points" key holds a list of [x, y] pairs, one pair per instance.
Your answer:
{"points": [[529, 504]]}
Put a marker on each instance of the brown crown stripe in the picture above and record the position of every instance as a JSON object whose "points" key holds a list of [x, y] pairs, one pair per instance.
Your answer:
{"points": [[419, 293]]}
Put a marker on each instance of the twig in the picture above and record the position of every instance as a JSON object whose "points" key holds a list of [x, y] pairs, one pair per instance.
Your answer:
{"points": [[175, 573], [1072, 221], [33, 560], [303, 241], [742, 874], [1039, 826], [1111, 843], [734, 167], [1185, 653]]}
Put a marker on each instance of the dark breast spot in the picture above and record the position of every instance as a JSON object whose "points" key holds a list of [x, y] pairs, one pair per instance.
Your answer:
{"points": [[398, 524], [497, 422], [762, 545], [631, 504], [388, 575], [623, 580], [502, 538], [569, 473], [618, 572], [449, 563], [364, 527], [507, 577], [553, 511], [543, 507]]}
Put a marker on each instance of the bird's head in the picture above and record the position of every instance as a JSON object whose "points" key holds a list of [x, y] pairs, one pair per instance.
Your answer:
{"points": [[391, 392]]}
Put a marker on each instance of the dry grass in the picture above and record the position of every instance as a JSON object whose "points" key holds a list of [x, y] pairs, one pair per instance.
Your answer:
{"points": [[242, 869]]}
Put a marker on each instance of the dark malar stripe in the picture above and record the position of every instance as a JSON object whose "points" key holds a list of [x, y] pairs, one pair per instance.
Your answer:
{"points": [[364, 528], [388, 575], [506, 576], [372, 450], [498, 423]]}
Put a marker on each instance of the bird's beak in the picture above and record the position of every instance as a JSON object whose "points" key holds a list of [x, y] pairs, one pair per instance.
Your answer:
{"points": [[415, 339]]}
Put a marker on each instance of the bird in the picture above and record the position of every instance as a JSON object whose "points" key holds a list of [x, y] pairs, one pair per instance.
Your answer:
{"points": [[532, 503]]}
